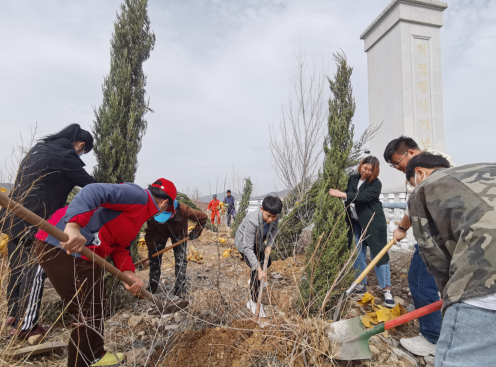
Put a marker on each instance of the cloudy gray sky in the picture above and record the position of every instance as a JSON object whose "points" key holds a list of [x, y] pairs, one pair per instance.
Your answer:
{"points": [[219, 75]]}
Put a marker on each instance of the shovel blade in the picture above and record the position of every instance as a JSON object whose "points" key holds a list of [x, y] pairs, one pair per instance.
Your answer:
{"points": [[349, 343]]}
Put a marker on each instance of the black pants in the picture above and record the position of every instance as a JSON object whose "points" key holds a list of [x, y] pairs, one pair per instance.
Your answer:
{"points": [[255, 283], [181, 265], [229, 214], [26, 283]]}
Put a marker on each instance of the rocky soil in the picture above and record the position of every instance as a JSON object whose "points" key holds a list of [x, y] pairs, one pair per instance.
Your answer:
{"points": [[215, 330]]}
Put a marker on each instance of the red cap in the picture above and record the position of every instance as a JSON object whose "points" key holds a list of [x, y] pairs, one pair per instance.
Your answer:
{"points": [[170, 189]]}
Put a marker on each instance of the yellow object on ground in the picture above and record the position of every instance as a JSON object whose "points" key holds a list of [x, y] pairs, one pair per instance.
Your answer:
{"points": [[3, 189], [231, 252], [190, 228], [4, 240], [142, 242], [380, 313], [110, 359], [194, 255]]}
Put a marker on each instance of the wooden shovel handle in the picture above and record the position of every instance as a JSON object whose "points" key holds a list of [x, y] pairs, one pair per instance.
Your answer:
{"points": [[260, 291], [374, 261], [414, 315], [53, 231], [162, 251]]}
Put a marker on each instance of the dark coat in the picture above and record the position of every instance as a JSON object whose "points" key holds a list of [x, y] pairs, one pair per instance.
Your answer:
{"points": [[175, 228], [367, 203], [45, 178]]}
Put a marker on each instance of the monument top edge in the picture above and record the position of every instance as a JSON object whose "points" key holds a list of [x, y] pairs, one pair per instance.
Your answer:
{"points": [[433, 4]]}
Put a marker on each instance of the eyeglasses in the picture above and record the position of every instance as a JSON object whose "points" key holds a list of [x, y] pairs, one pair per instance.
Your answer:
{"points": [[397, 164]]}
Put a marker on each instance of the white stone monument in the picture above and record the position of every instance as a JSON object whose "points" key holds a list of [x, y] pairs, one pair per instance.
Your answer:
{"points": [[403, 48]]}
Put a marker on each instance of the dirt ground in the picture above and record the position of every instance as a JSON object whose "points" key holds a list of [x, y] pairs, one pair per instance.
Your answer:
{"points": [[215, 329]]}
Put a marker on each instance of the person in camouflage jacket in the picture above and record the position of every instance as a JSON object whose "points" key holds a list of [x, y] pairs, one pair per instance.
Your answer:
{"points": [[453, 215]]}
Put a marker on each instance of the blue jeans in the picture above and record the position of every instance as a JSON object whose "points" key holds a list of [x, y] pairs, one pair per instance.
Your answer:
{"points": [[382, 272], [424, 292], [467, 337]]}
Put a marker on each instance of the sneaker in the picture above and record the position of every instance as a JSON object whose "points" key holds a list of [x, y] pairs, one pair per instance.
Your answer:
{"points": [[360, 290], [252, 306], [39, 330], [388, 299], [419, 346], [109, 359]]}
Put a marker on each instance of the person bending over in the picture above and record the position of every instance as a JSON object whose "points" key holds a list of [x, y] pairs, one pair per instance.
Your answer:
{"points": [[254, 240], [106, 218], [422, 285], [453, 216]]}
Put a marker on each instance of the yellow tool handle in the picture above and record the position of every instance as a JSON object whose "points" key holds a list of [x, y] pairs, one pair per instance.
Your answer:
{"points": [[162, 251], [374, 262]]}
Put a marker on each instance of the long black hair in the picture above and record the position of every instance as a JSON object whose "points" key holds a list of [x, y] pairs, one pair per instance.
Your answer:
{"points": [[72, 133]]}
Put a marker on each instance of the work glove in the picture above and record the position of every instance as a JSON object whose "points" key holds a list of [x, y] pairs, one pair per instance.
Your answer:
{"points": [[192, 235]]}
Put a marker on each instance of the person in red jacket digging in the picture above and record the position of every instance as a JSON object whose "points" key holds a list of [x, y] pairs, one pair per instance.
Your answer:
{"points": [[105, 218], [214, 207]]}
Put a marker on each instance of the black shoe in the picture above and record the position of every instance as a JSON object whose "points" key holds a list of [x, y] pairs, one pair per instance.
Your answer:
{"points": [[152, 289]]}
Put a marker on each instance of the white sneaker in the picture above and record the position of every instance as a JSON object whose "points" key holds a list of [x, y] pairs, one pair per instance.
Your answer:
{"points": [[252, 306], [419, 346], [388, 299]]}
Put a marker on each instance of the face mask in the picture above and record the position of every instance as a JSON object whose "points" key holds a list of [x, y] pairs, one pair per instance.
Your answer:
{"points": [[82, 152], [164, 216], [416, 177]]}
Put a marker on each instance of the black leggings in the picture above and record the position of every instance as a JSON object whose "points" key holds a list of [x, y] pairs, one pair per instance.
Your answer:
{"points": [[255, 283]]}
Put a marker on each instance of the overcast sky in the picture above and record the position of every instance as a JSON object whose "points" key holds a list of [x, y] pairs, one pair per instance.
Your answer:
{"points": [[219, 75]]}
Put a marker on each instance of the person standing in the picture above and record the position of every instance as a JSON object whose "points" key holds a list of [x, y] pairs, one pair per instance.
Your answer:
{"points": [[105, 218], [421, 283], [158, 231], [362, 202], [230, 202], [453, 216], [213, 206], [46, 176], [254, 240]]}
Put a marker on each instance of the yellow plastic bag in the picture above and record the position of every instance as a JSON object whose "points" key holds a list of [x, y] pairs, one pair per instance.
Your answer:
{"points": [[194, 255], [4, 240]]}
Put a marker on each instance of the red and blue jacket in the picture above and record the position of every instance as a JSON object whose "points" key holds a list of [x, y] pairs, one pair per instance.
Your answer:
{"points": [[110, 216]]}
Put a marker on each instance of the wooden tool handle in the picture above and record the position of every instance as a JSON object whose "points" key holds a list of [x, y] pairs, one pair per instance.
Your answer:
{"points": [[260, 291], [414, 315], [53, 231], [374, 261], [162, 251]]}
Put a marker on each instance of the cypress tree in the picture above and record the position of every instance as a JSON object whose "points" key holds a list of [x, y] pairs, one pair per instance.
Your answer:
{"points": [[330, 226], [119, 123], [243, 206]]}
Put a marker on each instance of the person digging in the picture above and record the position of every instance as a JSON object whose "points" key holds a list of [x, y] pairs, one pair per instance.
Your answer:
{"points": [[159, 230], [106, 219], [254, 240]]}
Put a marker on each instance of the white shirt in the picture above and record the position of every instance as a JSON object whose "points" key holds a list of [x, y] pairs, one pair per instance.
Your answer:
{"points": [[354, 214], [488, 301]]}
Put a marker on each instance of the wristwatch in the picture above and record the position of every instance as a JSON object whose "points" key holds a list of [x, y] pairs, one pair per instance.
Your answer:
{"points": [[401, 229]]}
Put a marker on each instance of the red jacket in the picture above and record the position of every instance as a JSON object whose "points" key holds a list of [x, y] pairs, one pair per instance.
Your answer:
{"points": [[110, 216], [214, 205]]}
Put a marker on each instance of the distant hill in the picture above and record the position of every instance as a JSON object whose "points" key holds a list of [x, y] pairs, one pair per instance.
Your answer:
{"points": [[222, 195]]}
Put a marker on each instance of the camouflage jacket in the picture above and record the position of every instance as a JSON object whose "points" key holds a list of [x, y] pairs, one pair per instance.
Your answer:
{"points": [[453, 215]]}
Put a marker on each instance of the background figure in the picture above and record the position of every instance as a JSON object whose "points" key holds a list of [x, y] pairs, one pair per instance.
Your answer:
{"points": [[46, 176], [362, 199], [214, 207], [230, 202], [158, 231]]}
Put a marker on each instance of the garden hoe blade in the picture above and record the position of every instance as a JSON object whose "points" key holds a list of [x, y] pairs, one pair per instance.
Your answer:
{"points": [[352, 341]]}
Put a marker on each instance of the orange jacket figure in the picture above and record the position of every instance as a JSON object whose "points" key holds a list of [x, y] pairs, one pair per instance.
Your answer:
{"points": [[214, 207]]}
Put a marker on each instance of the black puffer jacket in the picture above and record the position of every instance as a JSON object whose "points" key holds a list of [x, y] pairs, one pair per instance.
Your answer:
{"points": [[45, 178]]}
